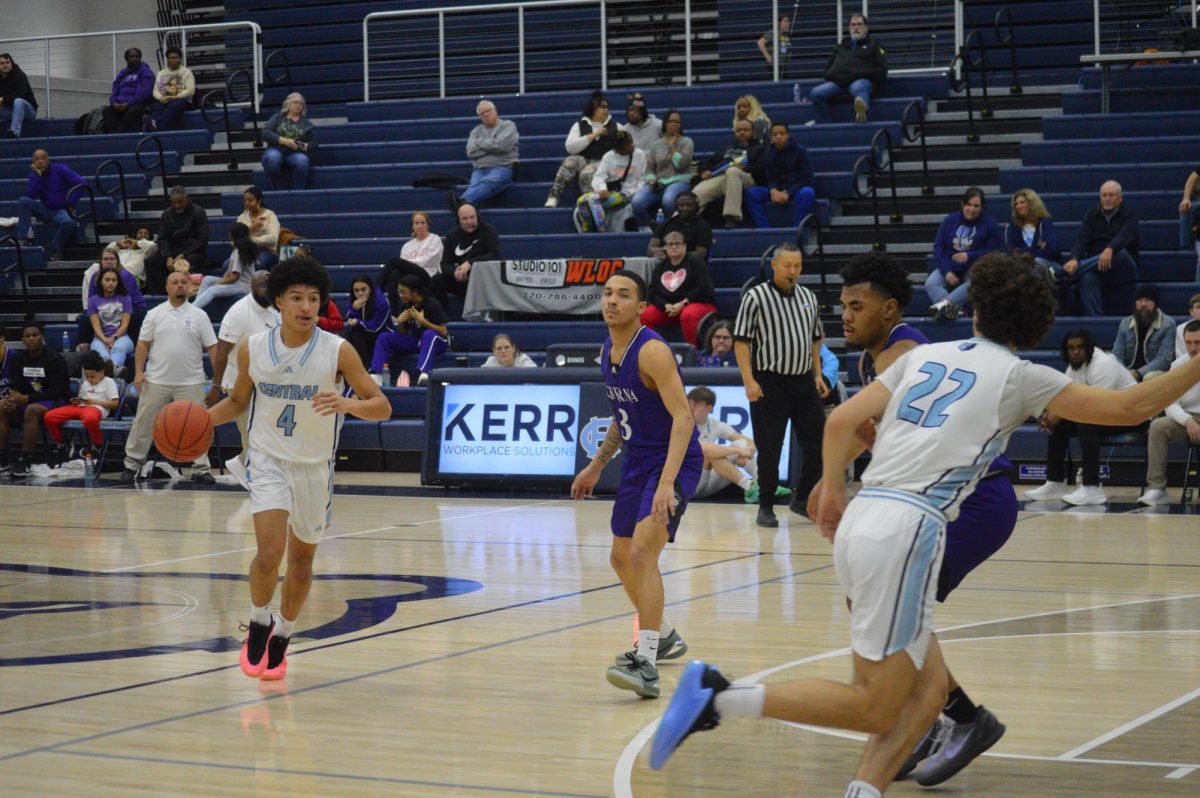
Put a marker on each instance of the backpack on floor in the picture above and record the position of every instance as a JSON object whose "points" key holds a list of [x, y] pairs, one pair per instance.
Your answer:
{"points": [[91, 123]]}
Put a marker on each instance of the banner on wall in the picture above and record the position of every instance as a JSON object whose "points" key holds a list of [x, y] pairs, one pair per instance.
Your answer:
{"points": [[569, 286]]}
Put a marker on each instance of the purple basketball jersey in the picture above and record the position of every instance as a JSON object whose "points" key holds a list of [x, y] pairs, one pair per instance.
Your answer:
{"points": [[901, 332]]}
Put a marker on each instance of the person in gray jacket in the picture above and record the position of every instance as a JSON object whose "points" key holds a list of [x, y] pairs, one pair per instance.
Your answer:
{"points": [[494, 149], [291, 139], [1146, 340]]}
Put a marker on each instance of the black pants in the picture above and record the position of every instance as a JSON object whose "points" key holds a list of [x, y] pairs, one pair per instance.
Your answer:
{"points": [[389, 280], [127, 121], [442, 286], [787, 398], [363, 341], [1089, 445]]}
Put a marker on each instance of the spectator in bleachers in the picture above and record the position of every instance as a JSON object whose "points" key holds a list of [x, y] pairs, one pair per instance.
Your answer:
{"points": [[263, 225], [748, 108], [643, 126], [505, 355], [17, 102], [493, 148], [789, 173], [110, 311], [730, 171], [1032, 231], [718, 349], [39, 383], [964, 236], [330, 318], [722, 461], [621, 174], [589, 138], [1146, 340], [471, 241], [687, 221], [45, 199], [129, 285], [421, 326], [1193, 313], [1089, 366], [420, 256], [245, 259], [1189, 215], [681, 290], [182, 233], [291, 139], [1177, 425], [1104, 257], [668, 171], [132, 93], [831, 370], [174, 88], [132, 252], [857, 66], [97, 398], [366, 317], [766, 42]]}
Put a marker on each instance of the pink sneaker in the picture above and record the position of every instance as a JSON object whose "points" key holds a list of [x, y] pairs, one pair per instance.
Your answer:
{"points": [[275, 663], [257, 634]]}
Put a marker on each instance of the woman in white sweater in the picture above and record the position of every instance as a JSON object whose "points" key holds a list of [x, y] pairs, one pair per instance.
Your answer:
{"points": [[505, 355], [421, 256], [590, 137], [263, 225]]}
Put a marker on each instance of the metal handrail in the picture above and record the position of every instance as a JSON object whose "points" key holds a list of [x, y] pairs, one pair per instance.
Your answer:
{"points": [[21, 270], [520, 9], [976, 37], [204, 105], [912, 132], [287, 69], [75, 214], [814, 221], [229, 81], [161, 166], [886, 135], [873, 193], [119, 187], [960, 80], [1009, 38], [255, 45]]}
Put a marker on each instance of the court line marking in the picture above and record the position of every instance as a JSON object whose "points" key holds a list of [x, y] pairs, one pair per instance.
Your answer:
{"points": [[325, 775], [623, 772], [1181, 772], [1131, 725]]}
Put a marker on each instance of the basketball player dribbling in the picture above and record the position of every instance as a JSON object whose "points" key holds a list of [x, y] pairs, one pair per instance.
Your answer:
{"points": [[291, 380], [662, 466]]}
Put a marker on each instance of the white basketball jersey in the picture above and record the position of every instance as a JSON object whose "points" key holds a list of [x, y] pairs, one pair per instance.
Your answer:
{"points": [[283, 423], [953, 407]]}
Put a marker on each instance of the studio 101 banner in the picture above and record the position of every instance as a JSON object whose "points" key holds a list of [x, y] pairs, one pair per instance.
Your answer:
{"points": [[570, 286]]}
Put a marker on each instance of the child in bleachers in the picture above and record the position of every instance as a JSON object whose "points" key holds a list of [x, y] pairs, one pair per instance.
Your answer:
{"points": [[505, 355], [622, 172], [421, 327], [132, 252], [110, 311], [98, 397], [368, 315]]}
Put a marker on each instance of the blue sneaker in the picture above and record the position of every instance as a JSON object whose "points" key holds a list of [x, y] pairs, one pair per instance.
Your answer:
{"points": [[692, 709]]}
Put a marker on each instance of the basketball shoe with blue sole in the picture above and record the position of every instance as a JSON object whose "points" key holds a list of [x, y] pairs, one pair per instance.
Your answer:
{"points": [[692, 709]]}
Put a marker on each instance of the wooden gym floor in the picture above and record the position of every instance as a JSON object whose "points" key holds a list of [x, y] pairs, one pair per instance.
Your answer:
{"points": [[457, 647]]}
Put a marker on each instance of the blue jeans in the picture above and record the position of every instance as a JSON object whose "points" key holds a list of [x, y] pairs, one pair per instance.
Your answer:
{"points": [[27, 207], [209, 290], [1084, 290], [757, 198], [488, 182], [274, 162], [648, 197], [121, 349], [169, 115], [823, 93], [20, 111], [938, 289]]}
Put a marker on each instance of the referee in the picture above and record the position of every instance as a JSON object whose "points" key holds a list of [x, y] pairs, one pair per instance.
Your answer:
{"points": [[777, 341]]}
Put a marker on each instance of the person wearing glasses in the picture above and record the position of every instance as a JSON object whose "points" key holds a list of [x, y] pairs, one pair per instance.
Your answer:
{"points": [[593, 135], [681, 290]]}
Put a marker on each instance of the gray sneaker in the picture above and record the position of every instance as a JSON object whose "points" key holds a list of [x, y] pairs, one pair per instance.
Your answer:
{"points": [[670, 647], [958, 747], [638, 675]]}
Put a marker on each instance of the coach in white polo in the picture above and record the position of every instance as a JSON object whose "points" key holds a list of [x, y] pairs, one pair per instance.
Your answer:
{"points": [[251, 314], [169, 365]]}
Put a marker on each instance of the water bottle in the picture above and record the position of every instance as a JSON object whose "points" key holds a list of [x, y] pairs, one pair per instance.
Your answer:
{"points": [[66, 344], [659, 218], [89, 467], [386, 375]]}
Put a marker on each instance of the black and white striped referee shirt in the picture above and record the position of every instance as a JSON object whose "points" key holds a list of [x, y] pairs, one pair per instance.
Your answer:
{"points": [[780, 328]]}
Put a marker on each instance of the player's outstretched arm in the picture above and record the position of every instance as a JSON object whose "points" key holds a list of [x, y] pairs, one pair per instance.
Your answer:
{"points": [[656, 361], [839, 448], [1133, 405], [371, 405], [238, 400]]}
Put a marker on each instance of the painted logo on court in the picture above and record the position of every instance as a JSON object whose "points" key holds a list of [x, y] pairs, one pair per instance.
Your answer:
{"points": [[44, 628]]}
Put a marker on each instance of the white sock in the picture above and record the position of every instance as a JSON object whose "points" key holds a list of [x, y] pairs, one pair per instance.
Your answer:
{"points": [[283, 627], [647, 645], [260, 615], [665, 629], [741, 701], [860, 789], [744, 483]]}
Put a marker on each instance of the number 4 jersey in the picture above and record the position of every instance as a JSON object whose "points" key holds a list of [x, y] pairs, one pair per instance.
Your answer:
{"points": [[283, 423], [953, 407]]}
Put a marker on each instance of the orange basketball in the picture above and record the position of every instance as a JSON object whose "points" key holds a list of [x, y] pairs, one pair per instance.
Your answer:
{"points": [[183, 431]]}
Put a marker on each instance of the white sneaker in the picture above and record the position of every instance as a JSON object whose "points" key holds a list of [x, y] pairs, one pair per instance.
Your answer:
{"points": [[1087, 494], [1050, 490], [8, 221], [551, 201], [860, 110], [1154, 496]]}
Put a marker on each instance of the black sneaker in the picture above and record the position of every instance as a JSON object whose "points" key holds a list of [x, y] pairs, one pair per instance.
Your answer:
{"points": [[276, 658], [204, 478], [692, 709], [128, 476], [960, 745], [20, 469], [921, 752], [766, 518], [254, 648]]}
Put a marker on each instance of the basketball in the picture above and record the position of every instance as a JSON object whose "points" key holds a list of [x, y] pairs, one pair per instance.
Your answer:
{"points": [[183, 431]]}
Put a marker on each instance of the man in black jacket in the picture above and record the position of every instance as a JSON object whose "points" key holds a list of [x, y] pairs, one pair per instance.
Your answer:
{"points": [[472, 241], [39, 383], [730, 171], [182, 233], [857, 66], [1103, 264], [17, 102]]}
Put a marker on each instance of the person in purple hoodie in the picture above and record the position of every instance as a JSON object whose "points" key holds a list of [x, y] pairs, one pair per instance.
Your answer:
{"points": [[964, 237], [369, 314], [132, 92], [46, 199]]}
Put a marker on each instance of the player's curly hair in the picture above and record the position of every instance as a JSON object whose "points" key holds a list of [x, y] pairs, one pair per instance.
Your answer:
{"points": [[883, 271], [1013, 304], [299, 270]]}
